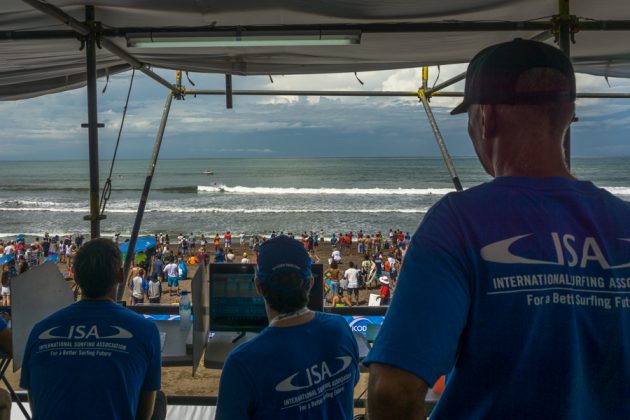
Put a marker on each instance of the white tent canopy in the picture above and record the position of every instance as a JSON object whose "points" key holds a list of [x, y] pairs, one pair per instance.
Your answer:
{"points": [[40, 54]]}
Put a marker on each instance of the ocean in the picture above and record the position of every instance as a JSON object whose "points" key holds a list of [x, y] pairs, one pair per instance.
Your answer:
{"points": [[251, 196]]}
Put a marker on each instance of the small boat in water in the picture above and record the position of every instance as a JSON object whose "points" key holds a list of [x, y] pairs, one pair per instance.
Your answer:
{"points": [[208, 172]]}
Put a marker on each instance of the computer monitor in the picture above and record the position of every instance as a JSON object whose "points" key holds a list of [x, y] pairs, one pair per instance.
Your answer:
{"points": [[235, 305]]}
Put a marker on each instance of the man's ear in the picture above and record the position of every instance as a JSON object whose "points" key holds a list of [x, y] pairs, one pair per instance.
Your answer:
{"points": [[258, 286], [488, 121]]}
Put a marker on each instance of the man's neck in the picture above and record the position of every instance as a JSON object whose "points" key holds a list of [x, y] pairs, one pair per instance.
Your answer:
{"points": [[536, 160], [289, 322]]}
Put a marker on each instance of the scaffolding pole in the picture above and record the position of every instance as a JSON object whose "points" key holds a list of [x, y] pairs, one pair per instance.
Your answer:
{"points": [[564, 42], [92, 125], [436, 131], [145, 196]]}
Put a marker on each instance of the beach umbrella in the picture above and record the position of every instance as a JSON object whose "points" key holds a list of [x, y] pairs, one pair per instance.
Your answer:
{"points": [[7, 258], [142, 244], [52, 258]]}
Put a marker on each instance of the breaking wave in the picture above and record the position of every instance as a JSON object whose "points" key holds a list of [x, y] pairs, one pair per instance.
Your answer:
{"points": [[162, 209]]}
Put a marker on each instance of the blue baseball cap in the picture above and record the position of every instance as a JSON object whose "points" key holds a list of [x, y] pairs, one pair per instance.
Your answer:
{"points": [[281, 254]]}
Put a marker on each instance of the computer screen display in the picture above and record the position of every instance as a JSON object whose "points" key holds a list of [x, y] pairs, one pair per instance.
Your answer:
{"points": [[235, 305]]}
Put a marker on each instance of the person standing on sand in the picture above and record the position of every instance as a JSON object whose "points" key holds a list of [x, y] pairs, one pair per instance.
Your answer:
{"points": [[368, 269], [202, 256], [5, 280], [219, 256], [94, 358], [335, 276], [172, 276], [154, 291], [227, 240], [139, 287], [287, 371], [511, 287], [351, 276]]}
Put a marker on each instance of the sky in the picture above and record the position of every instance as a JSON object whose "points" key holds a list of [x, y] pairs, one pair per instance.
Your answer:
{"points": [[49, 127]]}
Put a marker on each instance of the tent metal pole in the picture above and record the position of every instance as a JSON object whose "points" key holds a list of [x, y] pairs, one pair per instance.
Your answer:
{"points": [[564, 41], [440, 141], [145, 196], [252, 92], [386, 94], [85, 30], [463, 26], [90, 55]]}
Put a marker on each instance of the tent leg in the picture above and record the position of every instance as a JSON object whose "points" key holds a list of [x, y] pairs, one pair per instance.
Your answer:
{"points": [[145, 195], [440, 141], [90, 53], [564, 41]]}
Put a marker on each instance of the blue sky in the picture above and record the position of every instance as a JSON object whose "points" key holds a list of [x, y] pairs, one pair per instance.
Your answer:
{"points": [[48, 127]]}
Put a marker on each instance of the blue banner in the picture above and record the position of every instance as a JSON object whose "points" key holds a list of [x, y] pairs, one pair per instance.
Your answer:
{"points": [[359, 323]]}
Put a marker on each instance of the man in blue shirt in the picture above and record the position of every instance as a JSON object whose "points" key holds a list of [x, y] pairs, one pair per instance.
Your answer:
{"points": [[305, 364], [517, 288], [93, 359]]}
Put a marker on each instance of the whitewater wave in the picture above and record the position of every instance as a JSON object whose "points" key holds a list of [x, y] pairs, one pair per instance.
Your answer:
{"points": [[617, 190], [25, 188], [322, 191], [85, 210]]}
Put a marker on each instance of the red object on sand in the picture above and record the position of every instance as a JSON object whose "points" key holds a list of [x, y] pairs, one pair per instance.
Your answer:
{"points": [[438, 388]]}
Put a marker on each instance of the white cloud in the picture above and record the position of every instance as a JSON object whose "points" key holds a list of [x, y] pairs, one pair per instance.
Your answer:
{"points": [[279, 100]]}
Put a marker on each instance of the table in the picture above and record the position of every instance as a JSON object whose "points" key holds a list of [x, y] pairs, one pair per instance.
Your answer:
{"points": [[177, 348], [220, 344]]}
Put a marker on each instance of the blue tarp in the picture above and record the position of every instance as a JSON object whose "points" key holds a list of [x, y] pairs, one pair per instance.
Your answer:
{"points": [[7, 258], [20, 237], [52, 258], [142, 244]]}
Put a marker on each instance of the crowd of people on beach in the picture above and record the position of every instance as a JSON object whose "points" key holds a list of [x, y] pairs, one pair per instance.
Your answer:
{"points": [[18, 256], [169, 263], [381, 256]]}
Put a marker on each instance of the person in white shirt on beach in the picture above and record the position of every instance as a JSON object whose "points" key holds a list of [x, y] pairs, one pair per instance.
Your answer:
{"points": [[172, 276], [352, 277]]}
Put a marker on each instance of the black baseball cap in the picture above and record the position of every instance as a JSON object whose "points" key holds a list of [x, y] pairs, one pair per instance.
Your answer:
{"points": [[492, 74]]}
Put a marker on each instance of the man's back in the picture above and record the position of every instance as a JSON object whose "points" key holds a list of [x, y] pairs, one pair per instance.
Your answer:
{"points": [[91, 360], [314, 381], [351, 275], [529, 277]]}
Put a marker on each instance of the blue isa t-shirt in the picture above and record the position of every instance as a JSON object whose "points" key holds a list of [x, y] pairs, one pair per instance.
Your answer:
{"points": [[91, 360], [307, 371], [520, 288]]}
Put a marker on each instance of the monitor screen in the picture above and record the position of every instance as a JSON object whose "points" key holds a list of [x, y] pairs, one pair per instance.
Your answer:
{"points": [[235, 305]]}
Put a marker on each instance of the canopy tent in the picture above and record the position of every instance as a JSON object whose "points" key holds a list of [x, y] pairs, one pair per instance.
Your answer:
{"points": [[143, 243], [40, 54]]}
